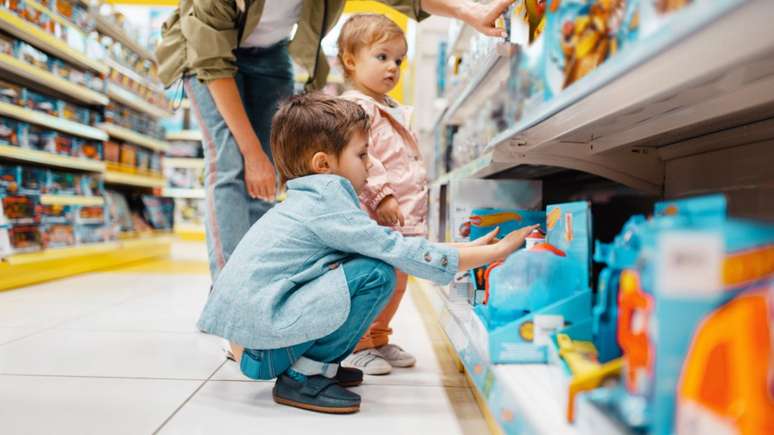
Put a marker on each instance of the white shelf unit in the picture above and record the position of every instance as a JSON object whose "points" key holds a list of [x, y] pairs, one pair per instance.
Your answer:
{"points": [[633, 116], [134, 137], [52, 122]]}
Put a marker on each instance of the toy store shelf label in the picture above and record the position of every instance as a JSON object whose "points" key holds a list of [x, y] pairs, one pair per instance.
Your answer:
{"points": [[46, 120], [43, 77], [690, 264], [71, 200]]}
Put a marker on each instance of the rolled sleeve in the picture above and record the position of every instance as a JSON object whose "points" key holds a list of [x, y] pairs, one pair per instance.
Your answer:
{"points": [[354, 232], [211, 37]]}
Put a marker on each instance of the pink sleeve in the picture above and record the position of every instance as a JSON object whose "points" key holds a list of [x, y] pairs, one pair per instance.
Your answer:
{"points": [[378, 184]]}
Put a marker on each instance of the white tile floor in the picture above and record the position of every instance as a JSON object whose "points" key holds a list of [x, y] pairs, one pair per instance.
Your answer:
{"points": [[118, 352]]}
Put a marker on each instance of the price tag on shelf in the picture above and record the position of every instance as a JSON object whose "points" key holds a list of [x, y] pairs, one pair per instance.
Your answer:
{"points": [[690, 264]]}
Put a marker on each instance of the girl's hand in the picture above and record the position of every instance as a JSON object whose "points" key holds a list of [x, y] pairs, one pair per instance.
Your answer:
{"points": [[488, 239], [513, 241], [388, 212], [260, 180]]}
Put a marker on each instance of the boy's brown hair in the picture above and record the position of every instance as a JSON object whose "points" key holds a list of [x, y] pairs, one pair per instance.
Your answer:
{"points": [[365, 30], [309, 123]]}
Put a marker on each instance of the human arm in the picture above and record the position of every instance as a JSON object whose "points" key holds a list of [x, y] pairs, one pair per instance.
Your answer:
{"points": [[259, 172], [480, 16]]}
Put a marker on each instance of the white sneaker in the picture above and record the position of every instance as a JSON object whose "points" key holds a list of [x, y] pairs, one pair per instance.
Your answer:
{"points": [[396, 356], [370, 361]]}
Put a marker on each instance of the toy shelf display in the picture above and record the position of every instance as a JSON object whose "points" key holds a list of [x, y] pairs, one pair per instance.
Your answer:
{"points": [[81, 143], [643, 305]]}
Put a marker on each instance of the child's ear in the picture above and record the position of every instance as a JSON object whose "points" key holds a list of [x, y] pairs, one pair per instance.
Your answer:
{"points": [[321, 163], [349, 62]]}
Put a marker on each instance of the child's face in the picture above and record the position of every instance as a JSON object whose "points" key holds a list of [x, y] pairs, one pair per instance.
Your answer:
{"points": [[377, 68], [352, 164]]}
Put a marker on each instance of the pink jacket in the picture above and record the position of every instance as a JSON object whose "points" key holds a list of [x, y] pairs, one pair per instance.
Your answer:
{"points": [[397, 167]]}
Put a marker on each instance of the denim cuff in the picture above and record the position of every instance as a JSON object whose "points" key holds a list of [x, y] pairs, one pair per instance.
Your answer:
{"points": [[309, 367]]}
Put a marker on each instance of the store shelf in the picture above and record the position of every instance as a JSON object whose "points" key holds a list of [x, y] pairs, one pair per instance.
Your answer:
{"points": [[71, 200], [52, 122], [17, 67], [126, 179], [183, 162], [145, 81], [50, 159], [47, 42], [513, 393], [486, 81], [25, 269], [173, 192], [460, 39], [123, 96], [134, 137], [620, 121], [185, 135], [190, 232], [107, 27]]}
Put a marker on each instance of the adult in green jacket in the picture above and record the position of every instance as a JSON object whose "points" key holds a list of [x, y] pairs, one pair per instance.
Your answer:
{"points": [[233, 58]]}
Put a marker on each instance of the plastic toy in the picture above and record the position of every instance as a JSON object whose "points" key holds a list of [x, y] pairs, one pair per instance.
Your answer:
{"points": [[539, 290], [9, 130], [56, 214], [726, 382], [91, 215]]}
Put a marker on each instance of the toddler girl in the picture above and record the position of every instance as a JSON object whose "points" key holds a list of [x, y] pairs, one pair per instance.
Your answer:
{"points": [[371, 50]]}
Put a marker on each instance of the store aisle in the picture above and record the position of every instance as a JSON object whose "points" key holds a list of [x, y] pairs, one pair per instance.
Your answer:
{"points": [[118, 352]]}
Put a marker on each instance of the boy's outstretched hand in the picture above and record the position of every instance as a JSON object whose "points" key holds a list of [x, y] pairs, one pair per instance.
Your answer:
{"points": [[488, 239], [514, 240]]}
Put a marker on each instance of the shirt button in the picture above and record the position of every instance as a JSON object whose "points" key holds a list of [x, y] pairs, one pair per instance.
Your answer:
{"points": [[428, 257], [444, 261]]}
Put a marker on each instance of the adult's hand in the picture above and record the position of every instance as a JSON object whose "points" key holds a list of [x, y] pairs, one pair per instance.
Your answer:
{"points": [[481, 16], [259, 178]]}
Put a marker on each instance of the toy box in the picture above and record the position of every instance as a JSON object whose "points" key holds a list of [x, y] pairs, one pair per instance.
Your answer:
{"points": [[57, 235], [85, 234], [463, 196], [9, 131], [9, 179], [688, 306], [21, 209], [56, 214], [91, 215], [10, 92], [158, 212], [7, 44], [32, 180], [39, 102], [90, 150], [112, 152], [62, 183], [25, 238], [539, 290], [128, 156], [120, 215]]}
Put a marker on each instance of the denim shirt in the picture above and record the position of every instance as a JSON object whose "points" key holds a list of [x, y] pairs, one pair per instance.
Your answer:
{"points": [[282, 285]]}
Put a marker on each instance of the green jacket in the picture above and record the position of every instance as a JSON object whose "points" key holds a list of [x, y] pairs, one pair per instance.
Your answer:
{"points": [[200, 36]]}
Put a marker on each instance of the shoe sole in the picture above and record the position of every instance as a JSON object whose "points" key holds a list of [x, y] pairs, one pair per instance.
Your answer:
{"points": [[350, 384], [315, 408], [403, 364], [385, 371]]}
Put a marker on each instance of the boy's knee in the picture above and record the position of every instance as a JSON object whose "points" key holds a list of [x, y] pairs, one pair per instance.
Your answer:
{"points": [[386, 274]]}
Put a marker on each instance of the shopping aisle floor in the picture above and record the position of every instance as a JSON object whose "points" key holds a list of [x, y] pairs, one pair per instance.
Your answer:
{"points": [[118, 353]]}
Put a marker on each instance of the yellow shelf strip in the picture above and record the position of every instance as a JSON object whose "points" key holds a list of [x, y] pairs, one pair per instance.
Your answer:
{"points": [[172, 192], [50, 159], [183, 162], [25, 269], [123, 96], [52, 81], [71, 200], [185, 135], [134, 137], [116, 177], [53, 122], [47, 42]]}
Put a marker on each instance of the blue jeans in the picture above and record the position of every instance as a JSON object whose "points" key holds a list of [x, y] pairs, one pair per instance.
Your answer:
{"points": [[264, 78], [370, 285]]}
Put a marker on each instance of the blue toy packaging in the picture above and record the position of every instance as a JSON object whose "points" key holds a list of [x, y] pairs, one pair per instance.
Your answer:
{"points": [[539, 289], [684, 277]]}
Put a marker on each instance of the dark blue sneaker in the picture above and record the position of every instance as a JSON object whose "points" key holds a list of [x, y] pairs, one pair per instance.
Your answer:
{"points": [[314, 393]]}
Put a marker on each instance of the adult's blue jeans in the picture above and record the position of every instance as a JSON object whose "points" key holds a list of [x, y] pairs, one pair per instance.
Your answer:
{"points": [[264, 78], [370, 285]]}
